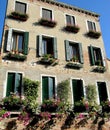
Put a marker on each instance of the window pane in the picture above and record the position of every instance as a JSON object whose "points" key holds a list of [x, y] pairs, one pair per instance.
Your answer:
{"points": [[46, 14], [51, 88], [70, 19], [89, 25], [20, 43], [20, 7]]}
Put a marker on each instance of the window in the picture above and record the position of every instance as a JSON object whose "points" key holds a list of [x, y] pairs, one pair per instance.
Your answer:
{"points": [[73, 51], [96, 56], [20, 7], [14, 83], [91, 26], [47, 45], [46, 14], [48, 88], [17, 41], [70, 20], [78, 92], [102, 91]]}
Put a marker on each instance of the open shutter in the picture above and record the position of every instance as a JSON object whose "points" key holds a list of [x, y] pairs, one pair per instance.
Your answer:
{"points": [[55, 47], [103, 58], [9, 41], [17, 88], [10, 84], [39, 45], [91, 55], [26, 41], [67, 50], [80, 53], [45, 88]]}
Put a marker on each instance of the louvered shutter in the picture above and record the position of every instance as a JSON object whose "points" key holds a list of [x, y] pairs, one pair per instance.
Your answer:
{"points": [[26, 41], [39, 45], [67, 50], [80, 53], [9, 41], [55, 47]]}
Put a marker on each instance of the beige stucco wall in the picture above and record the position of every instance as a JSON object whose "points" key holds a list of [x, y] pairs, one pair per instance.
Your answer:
{"points": [[35, 71]]}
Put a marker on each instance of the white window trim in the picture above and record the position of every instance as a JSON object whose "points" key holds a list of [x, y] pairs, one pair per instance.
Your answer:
{"points": [[45, 75], [108, 94], [87, 24], [5, 83], [47, 9], [70, 15], [27, 5], [84, 89]]}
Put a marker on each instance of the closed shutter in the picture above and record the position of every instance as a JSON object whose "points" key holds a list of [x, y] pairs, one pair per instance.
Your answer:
{"points": [[55, 48], [17, 88], [10, 83], [9, 40], [26, 41], [45, 90], [92, 60], [102, 91], [51, 87], [67, 50], [80, 53], [39, 45]]}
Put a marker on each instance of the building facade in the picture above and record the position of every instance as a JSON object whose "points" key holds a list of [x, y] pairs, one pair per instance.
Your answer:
{"points": [[50, 42]]}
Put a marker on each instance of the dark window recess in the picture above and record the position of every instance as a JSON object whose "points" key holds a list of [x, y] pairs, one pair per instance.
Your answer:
{"points": [[46, 14], [91, 26]]}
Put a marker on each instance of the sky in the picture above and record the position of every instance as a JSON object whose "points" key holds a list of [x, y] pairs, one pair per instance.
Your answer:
{"points": [[101, 7]]}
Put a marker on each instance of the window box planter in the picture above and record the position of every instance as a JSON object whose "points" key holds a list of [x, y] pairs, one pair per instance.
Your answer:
{"points": [[74, 65], [18, 16], [15, 57], [72, 28], [47, 22], [93, 34], [99, 69], [49, 60]]}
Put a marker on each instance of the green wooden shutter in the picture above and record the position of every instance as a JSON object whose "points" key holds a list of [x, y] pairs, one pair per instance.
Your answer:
{"points": [[55, 47], [26, 41], [103, 96], [67, 50], [91, 55], [39, 45], [10, 83], [9, 40], [45, 90], [80, 53]]}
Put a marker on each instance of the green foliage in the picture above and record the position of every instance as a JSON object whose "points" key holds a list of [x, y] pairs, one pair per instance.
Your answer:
{"points": [[31, 92], [91, 94], [63, 90]]}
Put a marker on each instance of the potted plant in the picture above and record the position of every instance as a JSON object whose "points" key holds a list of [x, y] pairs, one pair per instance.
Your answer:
{"points": [[100, 69], [72, 28], [105, 106], [18, 16], [47, 22], [48, 60], [15, 56], [74, 65], [94, 34]]}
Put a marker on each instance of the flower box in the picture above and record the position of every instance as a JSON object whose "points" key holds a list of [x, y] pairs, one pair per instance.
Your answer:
{"points": [[72, 28], [48, 60], [18, 16], [94, 34], [74, 65], [47, 22], [15, 57], [99, 69]]}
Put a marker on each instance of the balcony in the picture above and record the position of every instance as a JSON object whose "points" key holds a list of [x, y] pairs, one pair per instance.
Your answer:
{"points": [[48, 22], [18, 16]]}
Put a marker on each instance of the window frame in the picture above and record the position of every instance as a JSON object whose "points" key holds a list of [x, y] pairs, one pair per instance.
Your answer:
{"points": [[5, 85], [93, 22], [84, 89], [41, 12], [75, 23], [55, 80], [27, 5]]}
